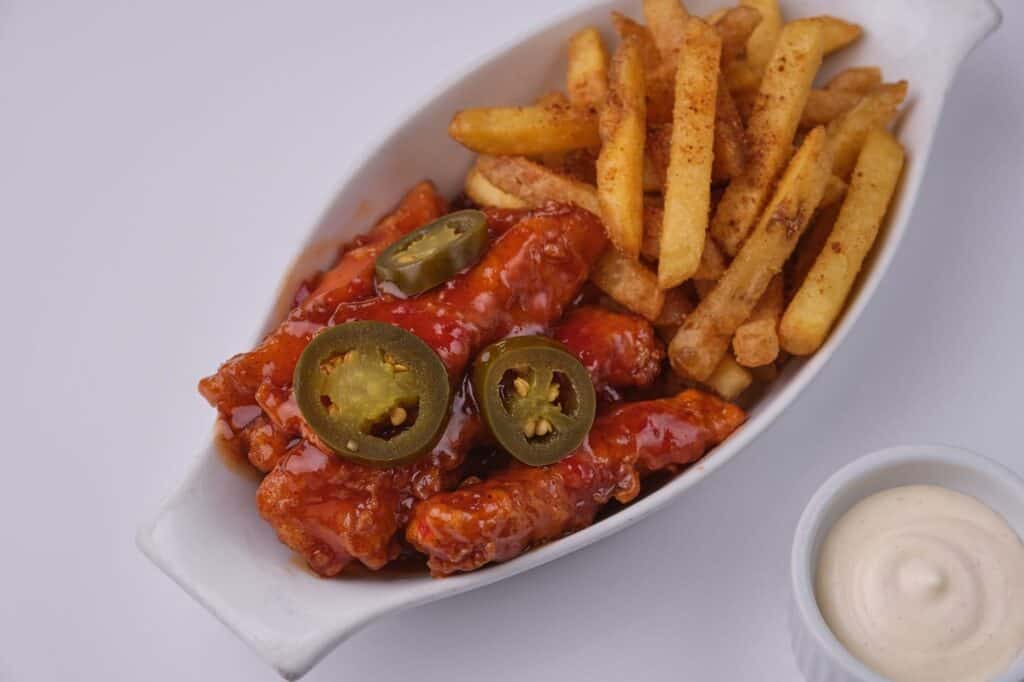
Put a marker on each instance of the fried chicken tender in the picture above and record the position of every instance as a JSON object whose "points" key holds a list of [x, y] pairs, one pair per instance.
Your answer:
{"points": [[331, 510], [619, 350], [522, 507]]}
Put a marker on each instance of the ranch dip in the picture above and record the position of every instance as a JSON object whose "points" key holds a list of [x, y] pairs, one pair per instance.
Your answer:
{"points": [[923, 583]]}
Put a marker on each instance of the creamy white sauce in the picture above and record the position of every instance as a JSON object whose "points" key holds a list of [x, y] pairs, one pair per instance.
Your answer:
{"points": [[923, 583]]}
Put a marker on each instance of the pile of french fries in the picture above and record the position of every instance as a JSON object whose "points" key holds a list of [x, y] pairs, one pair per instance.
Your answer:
{"points": [[739, 199]]}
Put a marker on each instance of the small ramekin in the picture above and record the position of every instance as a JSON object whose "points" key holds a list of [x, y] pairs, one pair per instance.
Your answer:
{"points": [[819, 655]]}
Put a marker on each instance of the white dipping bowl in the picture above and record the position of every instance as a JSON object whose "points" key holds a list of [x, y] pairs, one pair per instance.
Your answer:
{"points": [[819, 655]]}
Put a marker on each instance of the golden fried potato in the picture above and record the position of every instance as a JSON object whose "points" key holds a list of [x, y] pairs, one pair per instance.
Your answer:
{"points": [[524, 130], [483, 193], [678, 305], [859, 79], [836, 32], [620, 165], [761, 44], [587, 75], [729, 379], [810, 245], [824, 106], [848, 132], [704, 338], [666, 19], [756, 341], [818, 302], [773, 123], [735, 25], [835, 190], [730, 153], [688, 180], [534, 184], [659, 75], [629, 284]]}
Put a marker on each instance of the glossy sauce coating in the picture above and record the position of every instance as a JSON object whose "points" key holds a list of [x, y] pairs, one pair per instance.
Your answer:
{"points": [[618, 349], [501, 517], [332, 510]]}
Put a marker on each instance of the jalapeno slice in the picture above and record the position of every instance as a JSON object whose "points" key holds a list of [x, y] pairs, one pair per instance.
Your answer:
{"points": [[434, 253], [536, 398], [373, 392]]}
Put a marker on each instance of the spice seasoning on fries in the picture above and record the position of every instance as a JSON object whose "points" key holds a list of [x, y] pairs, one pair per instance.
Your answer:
{"points": [[684, 137]]}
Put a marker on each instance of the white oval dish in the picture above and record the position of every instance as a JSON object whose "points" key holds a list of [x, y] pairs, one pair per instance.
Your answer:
{"points": [[208, 536], [819, 655]]}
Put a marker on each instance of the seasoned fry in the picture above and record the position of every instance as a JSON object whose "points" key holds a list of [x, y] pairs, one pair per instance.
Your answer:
{"points": [[629, 283], [735, 26], [773, 123], [688, 181], [666, 20], [659, 81], [524, 130], [703, 340], [712, 262], [810, 245], [657, 149], [654, 213], [859, 79], [729, 379], [483, 193], [535, 184], [761, 44], [730, 153], [756, 341], [553, 100], [818, 302], [740, 77], [835, 190], [620, 164], [848, 132], [837, 33], [587, 75], [824, 106]]}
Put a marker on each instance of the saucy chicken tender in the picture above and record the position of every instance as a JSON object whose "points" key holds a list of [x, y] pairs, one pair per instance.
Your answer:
{"points": [[498, 519], [619, 350], [332, 510]]}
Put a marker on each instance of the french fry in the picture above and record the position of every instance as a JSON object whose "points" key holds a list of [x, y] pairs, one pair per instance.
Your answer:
{"points": [[659, 81], [818, 302], [621, 161], [729, 379], [761, 44], [534, 184], [859, 79], [773, 123], [712, 263], [735, 26], [837, 33], [650, 247], [553, 100], [810, 245], [824, 106], [703, 340], [628, 283], [835, 190], [756, 341], [587, 75], [657, 149], [666, 20], [716, 16], [483, 193], [740, 77], [730, 152], [848, 132], [524, 130], [688, 180]]}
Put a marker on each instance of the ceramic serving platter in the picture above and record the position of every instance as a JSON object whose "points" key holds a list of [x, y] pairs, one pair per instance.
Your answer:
{"points": [[208, 536]]}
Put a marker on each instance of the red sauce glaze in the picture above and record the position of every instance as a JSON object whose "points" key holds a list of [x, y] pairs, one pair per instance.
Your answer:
{"points": [[619, 350], [332, 510], [498, 519]]}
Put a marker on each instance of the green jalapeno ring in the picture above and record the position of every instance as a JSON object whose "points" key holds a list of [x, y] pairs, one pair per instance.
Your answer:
{"points": [[535, 397], [434, 253], [373, 392]]}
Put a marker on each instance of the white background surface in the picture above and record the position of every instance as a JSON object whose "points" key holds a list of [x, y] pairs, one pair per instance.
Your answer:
{"points": [[159, 162]]}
